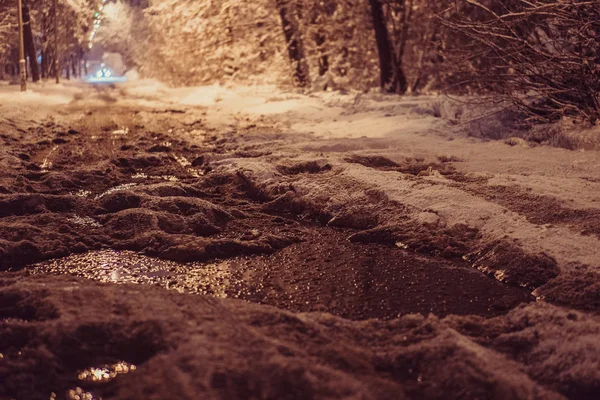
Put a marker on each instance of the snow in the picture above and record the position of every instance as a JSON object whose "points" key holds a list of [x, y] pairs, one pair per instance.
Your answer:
{"points": [[407, 127], [39, 94], [405, 172]]}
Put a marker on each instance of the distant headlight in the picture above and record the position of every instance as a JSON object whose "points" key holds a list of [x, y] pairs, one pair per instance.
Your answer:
{"points": [[99, 74], [107, 73]]}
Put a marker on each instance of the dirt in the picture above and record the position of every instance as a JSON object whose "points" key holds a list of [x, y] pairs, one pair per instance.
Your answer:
{"points": [[361, 297]]}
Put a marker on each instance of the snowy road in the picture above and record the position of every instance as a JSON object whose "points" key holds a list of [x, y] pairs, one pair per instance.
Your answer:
{"points": [[365, 208]]}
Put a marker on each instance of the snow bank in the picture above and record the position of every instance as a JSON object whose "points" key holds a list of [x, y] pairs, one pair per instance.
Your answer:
{"points": [[38, 94]]}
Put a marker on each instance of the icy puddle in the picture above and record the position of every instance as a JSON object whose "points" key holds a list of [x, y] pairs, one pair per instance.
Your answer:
{"points": [[127, 267]]}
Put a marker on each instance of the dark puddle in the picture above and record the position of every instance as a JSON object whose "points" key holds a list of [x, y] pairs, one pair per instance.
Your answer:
{"points": [[328, 273], [325, 272]]}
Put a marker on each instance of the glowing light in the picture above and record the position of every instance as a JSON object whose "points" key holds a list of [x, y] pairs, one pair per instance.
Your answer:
{"points": [[79, 394], [99, 74], [106, 373]]}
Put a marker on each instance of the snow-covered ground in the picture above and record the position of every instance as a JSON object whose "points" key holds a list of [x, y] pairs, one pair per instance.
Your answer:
{"points": [[39, 94], [421, 128], [399, 186]]}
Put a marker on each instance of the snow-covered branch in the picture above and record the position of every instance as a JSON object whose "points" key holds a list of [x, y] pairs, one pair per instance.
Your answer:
{"points": [[542, 54]]}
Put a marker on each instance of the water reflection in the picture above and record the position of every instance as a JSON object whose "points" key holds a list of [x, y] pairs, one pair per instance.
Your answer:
{"points": [[106, 372], [110, 266]]}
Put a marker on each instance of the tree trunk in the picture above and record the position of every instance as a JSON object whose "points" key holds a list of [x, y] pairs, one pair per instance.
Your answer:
{"points": [[393, 79], [319, 14], [43, 50], [49, 63], [401, 81], [30, 44], [43, 66], [74, 66], [323, 58], [293, 39]]}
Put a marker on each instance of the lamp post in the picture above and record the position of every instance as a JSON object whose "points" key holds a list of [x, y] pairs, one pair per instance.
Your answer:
{"points": [[22, 62], [56, 62]]}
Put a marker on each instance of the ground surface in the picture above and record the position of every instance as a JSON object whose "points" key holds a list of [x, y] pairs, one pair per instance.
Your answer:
{"points": [[371, 241]]}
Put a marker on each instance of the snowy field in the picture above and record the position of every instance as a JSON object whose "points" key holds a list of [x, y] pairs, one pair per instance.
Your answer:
{"points": [[235, 240]]}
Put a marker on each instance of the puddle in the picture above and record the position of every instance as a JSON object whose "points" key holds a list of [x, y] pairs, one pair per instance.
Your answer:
{"points": [[325, 272], [127, 267]]}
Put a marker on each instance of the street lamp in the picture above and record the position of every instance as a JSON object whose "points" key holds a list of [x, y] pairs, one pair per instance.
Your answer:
{"points": [[22, 63]]}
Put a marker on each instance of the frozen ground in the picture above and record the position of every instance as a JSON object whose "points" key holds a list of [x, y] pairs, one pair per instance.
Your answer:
{"points": [[432, 245]]}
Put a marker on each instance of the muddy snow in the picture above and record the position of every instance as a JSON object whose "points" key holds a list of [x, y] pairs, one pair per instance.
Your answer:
{"points": [[239, 243]]}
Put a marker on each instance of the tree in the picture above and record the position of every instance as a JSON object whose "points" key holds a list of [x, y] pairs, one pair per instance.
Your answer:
{"points": [[384, 48], [30, 50], [293, 37], [543, 55], [74, 25], [7, 33], [391, 49], [328, 43]]}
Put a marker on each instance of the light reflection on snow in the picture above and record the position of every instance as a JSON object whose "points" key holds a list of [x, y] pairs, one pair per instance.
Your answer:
{"points": [[46, 164], [185, 163], [123, 131], [124, 186], [81, 193], [168, 178], [84, 221]]}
